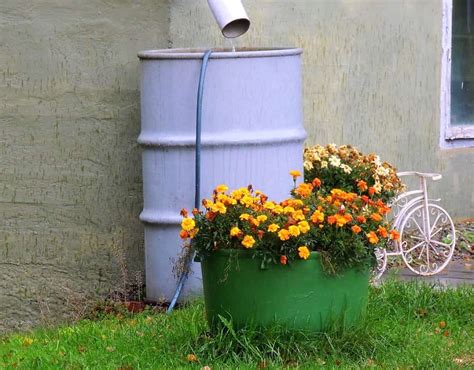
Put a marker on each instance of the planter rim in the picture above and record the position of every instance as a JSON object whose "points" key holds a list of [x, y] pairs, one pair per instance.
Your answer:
{"points": [[218, 53]]}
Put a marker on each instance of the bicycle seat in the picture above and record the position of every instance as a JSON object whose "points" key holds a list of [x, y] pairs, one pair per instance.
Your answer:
{"points": [[432, 176]]}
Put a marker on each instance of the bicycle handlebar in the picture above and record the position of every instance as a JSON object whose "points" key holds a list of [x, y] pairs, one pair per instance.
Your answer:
{"points": [[432, 176]]}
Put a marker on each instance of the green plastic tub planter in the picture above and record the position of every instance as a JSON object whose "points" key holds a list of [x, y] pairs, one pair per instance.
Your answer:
{"points": [[299, 296]]}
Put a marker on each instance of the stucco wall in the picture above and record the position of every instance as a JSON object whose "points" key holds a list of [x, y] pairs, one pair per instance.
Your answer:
{"points": [[372, 75], [70, 174]]}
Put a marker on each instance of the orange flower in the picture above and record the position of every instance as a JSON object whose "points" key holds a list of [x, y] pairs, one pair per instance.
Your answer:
{"points": [[331, 220], [373, 239], [184, 212], [382, 232], [394, 235], [284, 234], [304, 190], [183, 234], [317, 216], [375, 217], [283, 260], [371, 190], [316, 182], [361, 219], [362, 185], [356, 229]]}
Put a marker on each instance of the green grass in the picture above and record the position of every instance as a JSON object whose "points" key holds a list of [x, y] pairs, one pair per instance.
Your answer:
{"points": [[404, 327]]}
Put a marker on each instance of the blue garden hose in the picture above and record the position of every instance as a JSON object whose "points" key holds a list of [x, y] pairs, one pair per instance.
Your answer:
{"points": [[197, 181]]}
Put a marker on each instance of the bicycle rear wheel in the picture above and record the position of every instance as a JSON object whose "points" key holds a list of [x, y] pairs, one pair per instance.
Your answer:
{"points": [[427, 239]]}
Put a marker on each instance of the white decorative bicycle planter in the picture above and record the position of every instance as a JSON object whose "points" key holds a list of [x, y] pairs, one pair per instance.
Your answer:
{"points": [[427, 235]]}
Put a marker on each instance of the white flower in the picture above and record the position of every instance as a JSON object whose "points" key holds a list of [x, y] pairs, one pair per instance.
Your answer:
{"points": [[324, 164], [376, 161], [334, 161], [378, 187], [346, 168], [308, 165], [382, 171]]}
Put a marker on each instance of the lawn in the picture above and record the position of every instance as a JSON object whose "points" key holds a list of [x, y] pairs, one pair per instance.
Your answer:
{"points": [[406, 325]]}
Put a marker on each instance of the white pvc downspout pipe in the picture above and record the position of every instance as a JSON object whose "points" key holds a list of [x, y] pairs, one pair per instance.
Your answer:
{"points": [[231, 17]]}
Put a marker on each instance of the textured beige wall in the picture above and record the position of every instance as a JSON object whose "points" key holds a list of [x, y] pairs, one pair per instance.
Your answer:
{"points": [[372, 72], [70, 174]]}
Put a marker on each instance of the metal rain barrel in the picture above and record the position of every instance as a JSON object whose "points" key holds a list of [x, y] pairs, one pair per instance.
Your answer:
{"points": [[252, 133]]}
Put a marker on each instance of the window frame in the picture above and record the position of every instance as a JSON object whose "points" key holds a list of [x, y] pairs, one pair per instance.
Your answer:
{"points": [[451, 136]]}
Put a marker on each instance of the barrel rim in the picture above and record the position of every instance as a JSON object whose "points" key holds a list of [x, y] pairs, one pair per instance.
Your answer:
{"points": [[218, 53]]}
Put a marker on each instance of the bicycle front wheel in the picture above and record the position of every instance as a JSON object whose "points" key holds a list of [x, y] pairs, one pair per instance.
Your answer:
{"points": [[427, 239]]}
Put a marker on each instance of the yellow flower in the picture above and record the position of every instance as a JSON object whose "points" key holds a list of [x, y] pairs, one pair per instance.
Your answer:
{"points": [[261, 218], [298, 215], [244, 216], [188, 224], [303, 226], [235, 231], [222, 188], [294, 230], [269, 205], [247, 200], [278, 209], [219, 207], [303, 252], [288, 209], [295, 174], [273, 227], [248, 241], [284, 234]]}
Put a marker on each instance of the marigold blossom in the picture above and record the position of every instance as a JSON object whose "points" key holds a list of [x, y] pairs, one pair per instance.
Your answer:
{"points": [[394, 235], [222, 188], [356, 229], [248, 241], [262, 218], [235, 231], [376, 217], [295, 174], [294, 230], [284, 234], [273, 228], [382, 232], [373, 238], [188, 224], [317, 217], [304, 227], [303, 252]]}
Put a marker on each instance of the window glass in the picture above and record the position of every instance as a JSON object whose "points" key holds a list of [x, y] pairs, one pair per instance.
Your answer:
{"points": [[462, 67]]}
